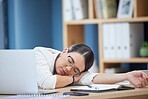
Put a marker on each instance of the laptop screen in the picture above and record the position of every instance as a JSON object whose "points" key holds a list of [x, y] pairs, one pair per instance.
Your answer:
{"points": [[17, 72]]}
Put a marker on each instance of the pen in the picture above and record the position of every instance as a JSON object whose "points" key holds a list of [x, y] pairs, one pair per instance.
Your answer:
{"points": [[92, 87]]}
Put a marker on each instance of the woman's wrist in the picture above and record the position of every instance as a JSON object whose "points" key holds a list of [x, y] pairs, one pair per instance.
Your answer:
{"points": [[126, 75]]}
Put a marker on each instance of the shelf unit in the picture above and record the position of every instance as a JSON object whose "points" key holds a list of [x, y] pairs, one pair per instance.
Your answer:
{"points": [[73, 31]]}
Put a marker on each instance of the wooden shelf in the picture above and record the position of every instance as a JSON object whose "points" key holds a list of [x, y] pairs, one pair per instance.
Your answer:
{"points": [[131, 60], [139, 19], [96, 21], [73, 31], [86, 21]]}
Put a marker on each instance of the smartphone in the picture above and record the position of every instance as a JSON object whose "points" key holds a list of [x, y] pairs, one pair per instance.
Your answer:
{"points": [[75, 93]]}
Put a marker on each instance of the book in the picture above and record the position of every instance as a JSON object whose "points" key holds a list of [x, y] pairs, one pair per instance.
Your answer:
{"points": [[102, 88], [98, 9], [109, 8]]}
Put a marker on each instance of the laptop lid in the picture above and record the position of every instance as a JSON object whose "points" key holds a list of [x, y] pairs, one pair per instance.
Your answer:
{"points": [[17, 72]]}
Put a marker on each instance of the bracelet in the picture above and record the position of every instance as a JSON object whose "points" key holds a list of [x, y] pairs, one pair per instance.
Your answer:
{"points": [[73, 80]]}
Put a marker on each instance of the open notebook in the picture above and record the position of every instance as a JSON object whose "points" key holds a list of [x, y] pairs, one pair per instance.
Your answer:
{"points": [[102, 88]]}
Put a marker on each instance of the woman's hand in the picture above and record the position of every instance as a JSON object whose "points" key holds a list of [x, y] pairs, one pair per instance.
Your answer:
{"points": [[138, 78]]}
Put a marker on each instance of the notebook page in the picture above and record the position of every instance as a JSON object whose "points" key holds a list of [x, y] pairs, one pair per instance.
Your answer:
{"points": [[97, 87], [104, 86]]}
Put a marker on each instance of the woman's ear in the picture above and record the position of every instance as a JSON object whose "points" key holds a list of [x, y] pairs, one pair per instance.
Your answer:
{"points": [[65, 50]]}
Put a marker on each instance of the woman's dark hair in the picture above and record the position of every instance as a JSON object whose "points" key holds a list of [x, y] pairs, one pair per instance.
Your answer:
{"points": [[86, 52]]}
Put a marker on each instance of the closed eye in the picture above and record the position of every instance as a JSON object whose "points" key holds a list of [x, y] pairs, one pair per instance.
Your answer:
{"points": [[70, 60]]}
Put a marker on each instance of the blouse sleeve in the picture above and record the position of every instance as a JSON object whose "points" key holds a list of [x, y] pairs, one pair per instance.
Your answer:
{"points": [[87, 78], [45, 78]]}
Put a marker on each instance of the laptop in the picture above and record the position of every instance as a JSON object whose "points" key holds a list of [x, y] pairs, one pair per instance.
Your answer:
{"points": [[18, 72]]}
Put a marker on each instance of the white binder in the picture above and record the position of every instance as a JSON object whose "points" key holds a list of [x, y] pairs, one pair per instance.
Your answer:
{"points": [[112, 37], [105, 42], [68, 12], [125, 28], [118, 40], [80, 9], [133, 35]]}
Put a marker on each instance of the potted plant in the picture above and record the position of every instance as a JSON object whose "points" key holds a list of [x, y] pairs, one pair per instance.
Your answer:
{"points": [[144, 50]]}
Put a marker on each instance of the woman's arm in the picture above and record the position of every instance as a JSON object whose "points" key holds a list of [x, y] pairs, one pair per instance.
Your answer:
{"points": [[137, 78], [104, 78], [63, 81]]}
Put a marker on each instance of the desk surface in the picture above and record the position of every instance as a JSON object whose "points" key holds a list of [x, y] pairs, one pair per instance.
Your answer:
{"points": [[138, 93]]}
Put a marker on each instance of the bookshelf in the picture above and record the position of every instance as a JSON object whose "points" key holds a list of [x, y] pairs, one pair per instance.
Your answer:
{"points": [[73, 31]]}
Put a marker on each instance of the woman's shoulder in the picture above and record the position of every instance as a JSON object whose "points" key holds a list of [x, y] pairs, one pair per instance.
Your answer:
{"points": [[45, 49], [40, 48]]}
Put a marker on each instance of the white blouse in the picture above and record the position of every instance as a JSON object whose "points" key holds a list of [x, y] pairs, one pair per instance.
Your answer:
{"points": [[45, 59]]}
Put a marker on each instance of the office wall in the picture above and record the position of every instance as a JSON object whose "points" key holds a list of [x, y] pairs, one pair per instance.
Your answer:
{"points": [[57, 41], [2, 46], [33, 23], [91, 38], [39, 23]]}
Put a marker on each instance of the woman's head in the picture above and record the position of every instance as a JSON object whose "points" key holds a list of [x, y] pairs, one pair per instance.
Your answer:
{"points": [[86, 52], [75, 59]]}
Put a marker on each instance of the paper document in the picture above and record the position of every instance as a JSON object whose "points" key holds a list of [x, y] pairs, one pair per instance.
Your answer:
{"points": [[102, 88]]}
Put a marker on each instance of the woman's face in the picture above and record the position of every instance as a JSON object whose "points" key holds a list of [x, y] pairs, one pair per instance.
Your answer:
{"points": [[71, 63]]}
